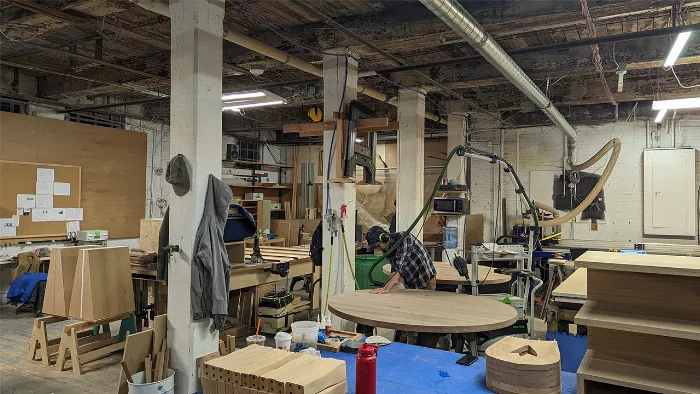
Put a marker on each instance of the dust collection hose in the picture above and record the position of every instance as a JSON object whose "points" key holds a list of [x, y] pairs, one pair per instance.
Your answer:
{"points": [[460, 150]]}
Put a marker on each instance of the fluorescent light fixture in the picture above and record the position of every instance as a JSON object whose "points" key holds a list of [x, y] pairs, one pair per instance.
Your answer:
{"points": [[241, 96], [242, 106], [678, 46], [676, 104], [660, 116], [358, 140]]}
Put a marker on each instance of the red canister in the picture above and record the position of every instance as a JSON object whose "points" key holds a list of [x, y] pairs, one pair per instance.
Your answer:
{"points": [[366, 370]]}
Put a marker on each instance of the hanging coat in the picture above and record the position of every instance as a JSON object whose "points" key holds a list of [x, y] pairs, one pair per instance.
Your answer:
{"points": [[211, 271]]}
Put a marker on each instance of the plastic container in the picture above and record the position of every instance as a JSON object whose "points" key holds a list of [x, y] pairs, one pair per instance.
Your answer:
{"points": [[165, 386], [449, 237], [283, 341], [306, 332], [362, 264], [252, 339]]}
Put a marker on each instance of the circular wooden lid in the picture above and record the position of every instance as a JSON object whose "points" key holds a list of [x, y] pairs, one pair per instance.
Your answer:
{"points": [[423, 311]]}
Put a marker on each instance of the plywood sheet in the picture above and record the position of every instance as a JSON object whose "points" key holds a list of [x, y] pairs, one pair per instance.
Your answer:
{"points": [[138, 346], [446, 274], [113, 166], [20, 178], [643, 263], [102, 287], [575, 286], [59, 286], [148, 234]]}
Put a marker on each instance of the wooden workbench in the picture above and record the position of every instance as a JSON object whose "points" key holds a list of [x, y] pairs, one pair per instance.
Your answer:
{"points": [[423, 311], [247, 276], [447, 275]]}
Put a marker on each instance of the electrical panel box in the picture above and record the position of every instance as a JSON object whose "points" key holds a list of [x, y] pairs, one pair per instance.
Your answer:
{"points": [[670, 203]]}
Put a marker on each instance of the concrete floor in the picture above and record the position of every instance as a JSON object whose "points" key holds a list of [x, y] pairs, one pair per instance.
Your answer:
{"points": [[19, 376]]}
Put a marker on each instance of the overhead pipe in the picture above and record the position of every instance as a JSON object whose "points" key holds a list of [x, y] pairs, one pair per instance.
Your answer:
{"points": [[456, 17], [162, 8]]}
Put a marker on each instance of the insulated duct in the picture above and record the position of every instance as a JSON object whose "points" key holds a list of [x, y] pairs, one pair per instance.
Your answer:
{"points": [[162, 8], [456, 17]]}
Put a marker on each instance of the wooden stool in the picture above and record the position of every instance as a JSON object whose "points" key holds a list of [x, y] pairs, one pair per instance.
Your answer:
{"points": [[83, 348]]}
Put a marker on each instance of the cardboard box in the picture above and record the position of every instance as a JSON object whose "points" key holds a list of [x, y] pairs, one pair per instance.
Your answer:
{"points": [[253, 196]]}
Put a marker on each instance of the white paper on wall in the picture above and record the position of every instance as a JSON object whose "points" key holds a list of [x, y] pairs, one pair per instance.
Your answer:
{"points": [[26, 201], [72, 228], [44, 201], [61, 189], [57, 214], [44, 174], [8, 231], [6, 222], [74, 213], [41, 215], [44, 188], [15, 220]]}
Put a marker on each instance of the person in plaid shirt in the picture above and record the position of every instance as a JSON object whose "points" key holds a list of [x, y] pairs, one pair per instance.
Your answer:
{"points": [[411, 264]]}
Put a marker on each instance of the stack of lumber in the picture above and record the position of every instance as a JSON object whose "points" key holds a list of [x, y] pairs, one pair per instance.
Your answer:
{"points": [[516, 365], [643, 318], [59, 285], [143, 262], [147, 352], [102, 285], [261, 370]]}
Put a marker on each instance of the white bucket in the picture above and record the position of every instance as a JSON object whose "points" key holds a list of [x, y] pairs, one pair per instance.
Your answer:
{"points": [[283, 341], [165, 386], [306, 332]]}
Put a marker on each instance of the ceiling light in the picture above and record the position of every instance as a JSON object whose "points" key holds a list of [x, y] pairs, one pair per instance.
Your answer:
{"points": [[242, 106], [676, 104], [240, 96], [358, 140], [660, 116], [678, 46]]}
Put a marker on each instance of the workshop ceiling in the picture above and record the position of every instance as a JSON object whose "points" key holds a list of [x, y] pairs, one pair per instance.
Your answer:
{"points": [[99, 48]]}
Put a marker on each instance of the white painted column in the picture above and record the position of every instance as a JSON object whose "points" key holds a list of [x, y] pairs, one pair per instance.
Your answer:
{"points": [[339, 87], [195, 131], [411, 158], [456, 128]]}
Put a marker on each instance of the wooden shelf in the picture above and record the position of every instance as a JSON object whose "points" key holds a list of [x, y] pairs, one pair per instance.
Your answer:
{"points": [[251, 186], [257, 163], [642, 263], [634, 376], [593, 314]]}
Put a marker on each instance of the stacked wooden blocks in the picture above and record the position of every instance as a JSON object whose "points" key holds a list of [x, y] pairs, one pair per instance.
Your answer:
{"points": [[263, 370], [515, 365], [643, 318]]}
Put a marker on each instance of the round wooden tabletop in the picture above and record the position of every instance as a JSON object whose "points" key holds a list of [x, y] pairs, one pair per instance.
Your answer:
{"points": [[446, 274], [423, 311]]}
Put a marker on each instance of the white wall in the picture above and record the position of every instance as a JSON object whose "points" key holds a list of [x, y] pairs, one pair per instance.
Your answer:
{"points": [[542, 148]]}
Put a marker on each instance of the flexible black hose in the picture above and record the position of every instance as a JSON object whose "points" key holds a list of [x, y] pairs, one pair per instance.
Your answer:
{"points": [[457, 150]]}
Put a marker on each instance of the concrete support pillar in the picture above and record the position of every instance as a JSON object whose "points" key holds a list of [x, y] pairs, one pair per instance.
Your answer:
{"points": [[339, 88], [195, 131], [411, 157], [456, 129]]}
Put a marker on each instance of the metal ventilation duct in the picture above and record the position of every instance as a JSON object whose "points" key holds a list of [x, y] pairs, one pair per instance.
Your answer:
{"points": [[456, 17]]}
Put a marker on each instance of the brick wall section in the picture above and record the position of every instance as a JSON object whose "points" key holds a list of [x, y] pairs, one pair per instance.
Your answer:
{"points": [[541, 148]]}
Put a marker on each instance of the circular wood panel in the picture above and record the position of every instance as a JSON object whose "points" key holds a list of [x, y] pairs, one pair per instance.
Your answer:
{"points": [[423, 311], [447, 275]]}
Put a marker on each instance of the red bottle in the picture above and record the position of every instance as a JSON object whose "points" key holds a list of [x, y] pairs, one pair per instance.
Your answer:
{"points": [[366, 370]]}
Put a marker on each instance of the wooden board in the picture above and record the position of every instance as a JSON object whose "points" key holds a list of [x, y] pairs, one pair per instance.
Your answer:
{"points": [[423, 311], [599, 369], [20, 178], [102, 287], [446, 274], [283, 229], [138, 347], [59, 286], [253, 276], [642, 263], [113, 166], [575, 286], [149, 233], [160, 329]]}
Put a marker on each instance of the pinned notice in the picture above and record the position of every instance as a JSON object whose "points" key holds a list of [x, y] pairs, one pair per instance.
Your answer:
{"points": [[8, 231], [26, 201], [44, 188], [44, 201], [74, 213], [72, 228], [44, 174], [61, 189]]}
